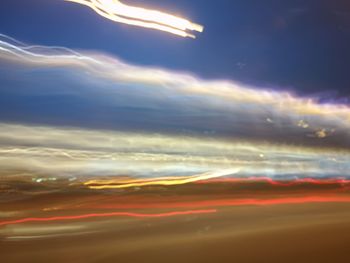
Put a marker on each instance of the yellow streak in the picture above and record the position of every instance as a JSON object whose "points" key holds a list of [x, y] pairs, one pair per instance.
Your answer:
{"points": [[158, 181], [119, 12]]}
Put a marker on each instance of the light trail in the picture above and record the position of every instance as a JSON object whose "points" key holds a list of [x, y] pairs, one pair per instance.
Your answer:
{"points": [[279, 104], [128, 160], [286, 183], [285, 146], [216, 203], [196, 204], [116, 11], [277, 201], [111, 214], [101, 184]]}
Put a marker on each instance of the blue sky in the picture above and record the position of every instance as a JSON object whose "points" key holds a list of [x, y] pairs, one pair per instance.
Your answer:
{"points": [[230, 86], [295, 45]]}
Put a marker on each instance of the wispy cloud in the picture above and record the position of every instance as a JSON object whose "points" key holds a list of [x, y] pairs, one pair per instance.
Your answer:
{"points": [[161, 122]]}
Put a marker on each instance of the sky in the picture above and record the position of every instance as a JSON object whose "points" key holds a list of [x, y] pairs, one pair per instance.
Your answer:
{"points": [[262, 91], [300, 46]]}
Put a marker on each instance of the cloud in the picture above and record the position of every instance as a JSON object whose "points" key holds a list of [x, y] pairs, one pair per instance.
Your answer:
{"points": [[85, 154], [142, 121], [55, 85]]}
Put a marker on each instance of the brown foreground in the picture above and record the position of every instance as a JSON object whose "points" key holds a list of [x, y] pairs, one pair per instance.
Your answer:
{"points": [[282, 232]]}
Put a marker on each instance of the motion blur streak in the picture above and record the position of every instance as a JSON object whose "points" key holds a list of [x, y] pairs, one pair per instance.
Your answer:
{"points": [[148, 159], [119, 12], [312, 181], [96, 184], [111, 214], [325, 198], [232, 96], [278, 201], [163, 123]]}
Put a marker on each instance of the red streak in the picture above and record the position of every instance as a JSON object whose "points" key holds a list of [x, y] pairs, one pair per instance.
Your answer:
{"points": [[337, 181], [288, 200], [231, 202], [111, 214]]}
